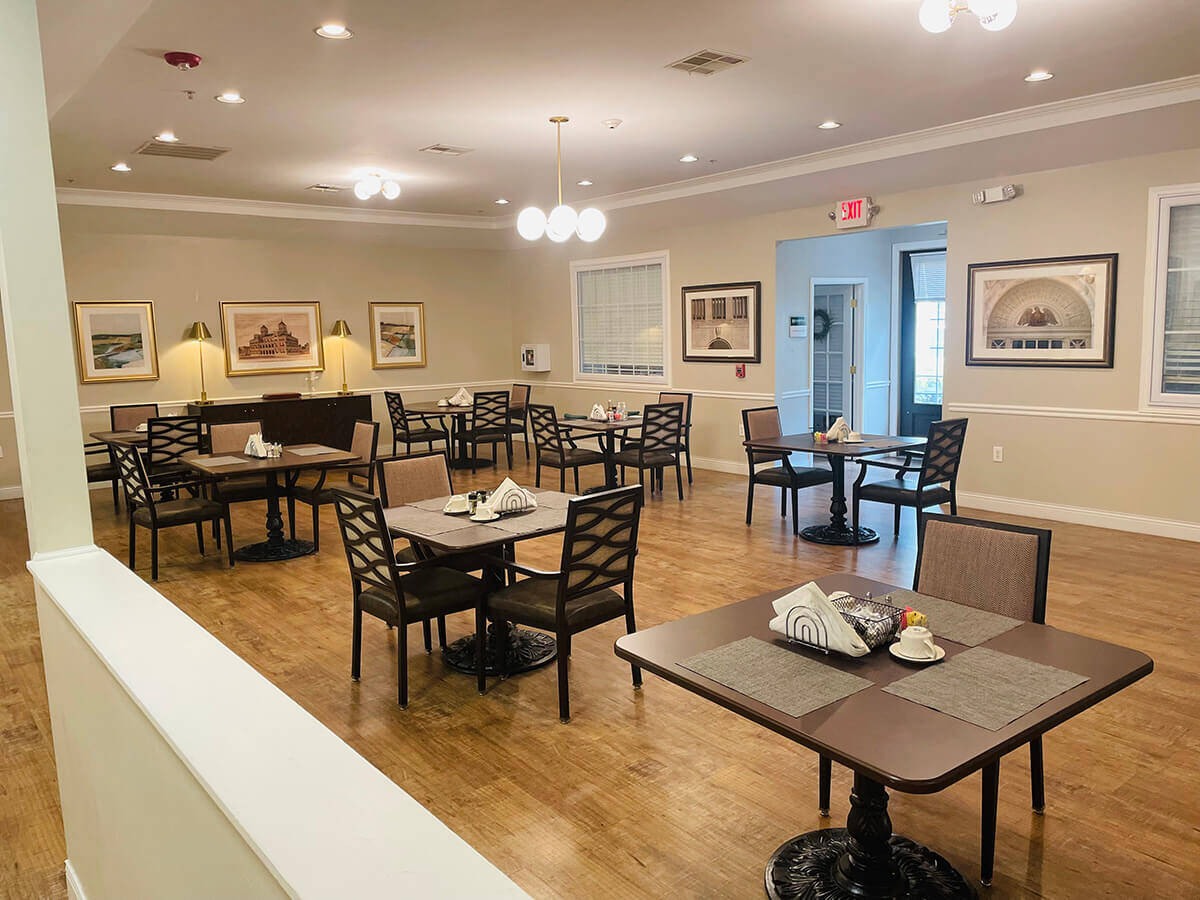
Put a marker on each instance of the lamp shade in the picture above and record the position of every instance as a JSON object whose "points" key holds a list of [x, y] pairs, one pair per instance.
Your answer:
{"points": [[198, 332], [340, 329]]}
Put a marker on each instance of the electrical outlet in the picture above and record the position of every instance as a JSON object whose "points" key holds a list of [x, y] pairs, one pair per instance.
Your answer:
{"points": [[997, 454], [742, 431]]}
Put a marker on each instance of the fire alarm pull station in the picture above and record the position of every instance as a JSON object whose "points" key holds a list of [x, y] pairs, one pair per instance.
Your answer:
{"points": [[740, 370]]}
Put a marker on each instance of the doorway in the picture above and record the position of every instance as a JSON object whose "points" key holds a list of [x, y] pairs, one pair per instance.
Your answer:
{"points": [[834, 315], [922, 337]]}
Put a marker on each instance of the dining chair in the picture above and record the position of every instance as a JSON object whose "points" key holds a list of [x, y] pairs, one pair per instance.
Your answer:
{"points": [[128, 416], [231, 437], [658, 446], [598, 554], [102, 466], [148, 512], [518, 413], [363, 444], [937, 475], [413, 427], [489, 424], [398, 593], [629, 441], [168, 440], [556, 449], [763, 423]]}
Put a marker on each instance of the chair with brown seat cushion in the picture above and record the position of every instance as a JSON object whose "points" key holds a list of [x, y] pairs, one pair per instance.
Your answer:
{"points": [[101, 466], [231, 437], [168, 440], [518, 412], [658, 446], [598, 555], [317, 493], [629, 441], [556, 449], [489, 424], [763, 423], [148, 512], [413, 428], [398, 593], [128, 416], [937, 476]]}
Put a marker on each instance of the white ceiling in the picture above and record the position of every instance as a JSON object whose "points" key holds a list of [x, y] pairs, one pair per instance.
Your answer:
{"points": [[486, 75]]}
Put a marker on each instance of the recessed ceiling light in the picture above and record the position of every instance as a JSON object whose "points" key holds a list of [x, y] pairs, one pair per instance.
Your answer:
{"points": [[1039, 75], [501, 202], [584, 183], [166, 137], [230, 97], [121, 167], [829, 124], [334, 31], [689, 158]]}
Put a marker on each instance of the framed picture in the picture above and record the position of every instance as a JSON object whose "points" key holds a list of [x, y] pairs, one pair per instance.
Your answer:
{"points": [[723, 322], [265, 337], [397, 334], [1042, 312], [114, 340]]}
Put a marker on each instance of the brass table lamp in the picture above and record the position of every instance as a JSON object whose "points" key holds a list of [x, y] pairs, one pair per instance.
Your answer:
{"points": [[342, 330], [199, 333]]}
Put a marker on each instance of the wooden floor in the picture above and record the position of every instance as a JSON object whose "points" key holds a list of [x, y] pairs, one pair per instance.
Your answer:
{"points": [[657, 793]]}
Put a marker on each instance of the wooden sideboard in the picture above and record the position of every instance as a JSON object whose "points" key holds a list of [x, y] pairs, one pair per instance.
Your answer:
{"points": [[318, 420]]}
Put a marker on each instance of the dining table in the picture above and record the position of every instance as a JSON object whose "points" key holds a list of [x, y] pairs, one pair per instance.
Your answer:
{"points": [[126, 438], [836, 531], [606, 431], [461, 456], [432, 531], [289, 464], [880, 726]]}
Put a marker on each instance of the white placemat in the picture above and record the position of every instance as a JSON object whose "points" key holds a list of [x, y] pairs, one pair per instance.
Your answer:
{"points": [[311, 451], [217, 461]]}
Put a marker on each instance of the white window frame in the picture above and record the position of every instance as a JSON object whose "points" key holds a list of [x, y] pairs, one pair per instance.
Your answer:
{"points": [[1162, 200], [662, 257]]}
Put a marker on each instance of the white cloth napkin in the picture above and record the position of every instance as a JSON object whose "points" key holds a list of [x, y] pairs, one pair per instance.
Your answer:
{"points": [[839, 430], [255, 446], [806, 612], [510, 497], [142, 429], [461, 398], [598, 414], [443, 402]]}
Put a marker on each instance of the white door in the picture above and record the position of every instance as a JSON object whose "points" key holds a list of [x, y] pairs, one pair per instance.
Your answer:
{"points": [[833, 365]]}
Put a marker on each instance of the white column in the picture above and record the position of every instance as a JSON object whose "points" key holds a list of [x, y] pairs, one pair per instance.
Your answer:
{"points": [[33, 297]]}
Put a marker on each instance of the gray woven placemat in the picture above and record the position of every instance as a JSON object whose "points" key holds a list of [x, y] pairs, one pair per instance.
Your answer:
{"points": [[782, 679], [954, 621], [423, 521], [437, 504], [534, 520], [985, 687], [552, 499]]}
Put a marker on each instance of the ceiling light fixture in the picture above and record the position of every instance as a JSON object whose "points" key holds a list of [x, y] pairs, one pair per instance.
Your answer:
{"points": [[690, 157], [166, 137], [121, 167], [230, 97], [588, 224], [829, 124], [937, 16], [502, 202], [584, 183], [335, 31], [1039, 75], [372, 183]]}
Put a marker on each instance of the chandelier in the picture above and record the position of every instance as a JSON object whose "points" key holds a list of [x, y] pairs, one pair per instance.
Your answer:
{"points": [[994, 15], [372, 183], [563, 221]]}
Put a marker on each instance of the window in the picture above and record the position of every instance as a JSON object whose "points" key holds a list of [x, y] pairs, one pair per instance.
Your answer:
{"points": [[718, 308], [620, 318], [1174, 371], [698, 304], [929, 290]]}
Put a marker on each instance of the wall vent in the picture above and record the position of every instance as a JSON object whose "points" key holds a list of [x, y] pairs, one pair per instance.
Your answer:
{"points": [[180, 151], [446, 150], [325, 188], [707, 62]]}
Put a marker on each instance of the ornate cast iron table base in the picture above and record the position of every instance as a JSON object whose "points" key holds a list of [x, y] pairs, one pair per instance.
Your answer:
{"points": [[526, 650], [273, 551], [842, 537]]}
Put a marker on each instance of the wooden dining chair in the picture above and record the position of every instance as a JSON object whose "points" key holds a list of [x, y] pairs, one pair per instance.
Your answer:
{"points": [[128, 416], [628, 441], [398, 593], [489, 424], [518, 413], [658, 446], [937, 475], [763, 423], [556, 448], [598, 555], [413, 427], [147, 511], [231, 437], [317, 493], [102, 466], [168, 440]]}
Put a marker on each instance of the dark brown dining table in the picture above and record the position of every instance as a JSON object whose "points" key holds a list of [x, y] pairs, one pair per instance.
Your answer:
{"points": [[127, 438], [425, 526], [837, 531], [461, 457], [607, 433], [887, 741], [294, 460]]}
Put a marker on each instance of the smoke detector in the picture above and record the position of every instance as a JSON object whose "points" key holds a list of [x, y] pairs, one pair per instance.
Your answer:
{"points": [[610, 124], [182, 60]]}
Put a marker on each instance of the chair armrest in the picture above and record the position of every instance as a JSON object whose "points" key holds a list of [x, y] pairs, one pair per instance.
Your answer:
{"points": [[896, 467]]}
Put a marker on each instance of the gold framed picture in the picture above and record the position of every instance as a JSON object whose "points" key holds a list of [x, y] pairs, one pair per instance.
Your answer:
{"points": [[114, 340], [397, 334], [271, 337]]}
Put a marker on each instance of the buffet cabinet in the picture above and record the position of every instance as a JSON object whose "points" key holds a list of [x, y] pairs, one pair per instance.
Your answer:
{"points": [[302, 420]]}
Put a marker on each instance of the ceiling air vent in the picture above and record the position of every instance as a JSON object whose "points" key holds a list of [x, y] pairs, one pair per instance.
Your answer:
{"points": [[180, 151], [325, 188], [707, 62], [446, 150]]}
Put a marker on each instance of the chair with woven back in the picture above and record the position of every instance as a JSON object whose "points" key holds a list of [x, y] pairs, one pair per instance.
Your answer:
{"points": [[556, 448], [364, 444], [518, 412], [658, 446], [102, 466], [168, 440], [128, 416], [489, 424], [937, 475], [598, 554], [763, 423], [398, 593], [413, 427], [147, 511]]}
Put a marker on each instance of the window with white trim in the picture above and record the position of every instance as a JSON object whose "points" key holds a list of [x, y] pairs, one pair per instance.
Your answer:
{"points": [[620, 318], [1175, 238]]}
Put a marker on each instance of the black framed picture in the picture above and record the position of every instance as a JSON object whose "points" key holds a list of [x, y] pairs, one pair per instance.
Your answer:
{"points": [[1058, 312], [723, 322]]}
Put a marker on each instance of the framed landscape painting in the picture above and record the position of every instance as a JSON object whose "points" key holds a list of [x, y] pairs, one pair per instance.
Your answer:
{"points": [[723, 322], [1058, 312], [114, 340], [262, 338], [397, 334]]}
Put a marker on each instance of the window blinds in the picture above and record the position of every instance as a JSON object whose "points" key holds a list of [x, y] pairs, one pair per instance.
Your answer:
{"points": [[621, 321], [929, 275], [1181, 338]]}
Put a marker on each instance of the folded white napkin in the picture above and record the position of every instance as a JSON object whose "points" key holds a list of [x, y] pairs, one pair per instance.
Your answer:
{"points": [[256, 446], [807, 615], [598, 414], [510, 497], [142, 429], [443, 402], [461, 398], [839, 430]]}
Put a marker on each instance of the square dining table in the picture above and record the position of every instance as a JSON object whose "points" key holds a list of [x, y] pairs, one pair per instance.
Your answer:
{"points": [[607, 432], [128, 438], [887, 741]]}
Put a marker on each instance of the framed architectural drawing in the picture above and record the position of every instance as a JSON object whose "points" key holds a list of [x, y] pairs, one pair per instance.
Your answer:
{"points": [[114, 340], [265, 337], [723, 322], [397, 334], [1058, 312]]}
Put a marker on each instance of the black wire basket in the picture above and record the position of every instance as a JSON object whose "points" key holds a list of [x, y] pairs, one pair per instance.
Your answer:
{"points": [[876, 623]]}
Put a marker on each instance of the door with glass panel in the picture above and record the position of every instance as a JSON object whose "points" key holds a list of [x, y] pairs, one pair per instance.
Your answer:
{"points": [[922, 338], [833, 312]]}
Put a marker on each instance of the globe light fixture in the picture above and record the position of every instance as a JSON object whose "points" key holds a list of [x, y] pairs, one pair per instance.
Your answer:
{"points": [[563, 220], [372, 183], [937, 16]]}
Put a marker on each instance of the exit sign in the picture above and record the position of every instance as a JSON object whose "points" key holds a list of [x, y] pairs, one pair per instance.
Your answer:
{"points": [[855, 213]]}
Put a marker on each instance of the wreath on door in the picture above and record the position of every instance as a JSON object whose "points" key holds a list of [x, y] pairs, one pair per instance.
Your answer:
{"points": [[821, 323]]}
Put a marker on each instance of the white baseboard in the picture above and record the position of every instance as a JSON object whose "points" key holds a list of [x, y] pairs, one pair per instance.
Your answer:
{"points": [[719, 465], [74, 888], [10, 492], [1082, 515]]}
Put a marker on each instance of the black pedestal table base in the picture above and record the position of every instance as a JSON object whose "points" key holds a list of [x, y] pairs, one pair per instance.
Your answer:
{"points": [[467, 462], [842, 537], [526, 650], [270, 551]]}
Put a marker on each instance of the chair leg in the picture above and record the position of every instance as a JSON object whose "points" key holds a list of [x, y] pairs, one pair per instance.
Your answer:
{"points": [[291, 517], [441, 632], [154, 554], [896, 521], [687, 449], [316, 527], [577, 479], [116, 496], [825, 775], [228, 537], [1036, 778], [356, 644], [200, 536], [427, 631], [953, 505], [508, 449], [132, 544], [783, 503], [537, 480], [495, 450], [987, 837], [564, 698], [525, 433], [749, 501], [474, 450], [402, 660], [855, 502], [393, 445], [795, 510], [679, 479], [562, 481], [502, 647], [630, 628], [480, 642]]}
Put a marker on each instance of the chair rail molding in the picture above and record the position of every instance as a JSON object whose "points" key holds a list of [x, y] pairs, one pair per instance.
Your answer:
{"points": [[1140, 417]]}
